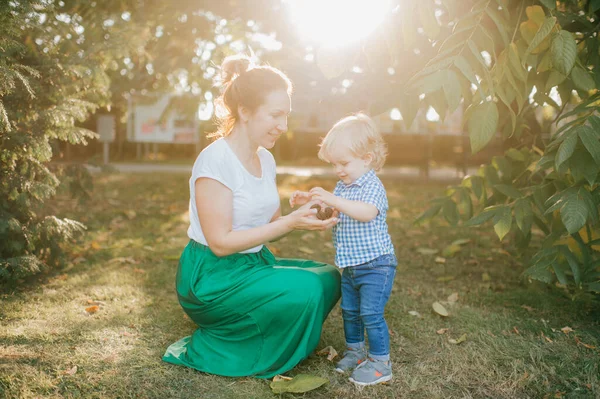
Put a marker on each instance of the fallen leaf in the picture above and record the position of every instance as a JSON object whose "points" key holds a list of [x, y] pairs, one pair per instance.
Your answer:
{"points": [[95, 245], [485, 277], [566, 330], [583, 344], [141, 271], [329, 351], [461, 241], [439, 309], [130, 213], [92, 309], [307, 237], [527, 308], [281, 378], [71, 371], [516, 331], [458, 341], [443, 279], [451, 250], [93, 302], [306, 250], [123, 260], [453, 297], [427, 251], [415, 313], [440, 260], [442, 331], [299, 384], [546, 338]]}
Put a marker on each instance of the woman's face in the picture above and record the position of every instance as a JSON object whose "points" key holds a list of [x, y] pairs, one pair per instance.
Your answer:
{"points": [[269, 121]]}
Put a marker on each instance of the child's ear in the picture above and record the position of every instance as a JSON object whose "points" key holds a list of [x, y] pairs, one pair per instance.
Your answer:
{"points": [[368, 158]]}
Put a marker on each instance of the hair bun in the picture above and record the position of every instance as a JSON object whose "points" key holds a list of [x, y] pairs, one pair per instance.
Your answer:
{"points": [[233, 66]]}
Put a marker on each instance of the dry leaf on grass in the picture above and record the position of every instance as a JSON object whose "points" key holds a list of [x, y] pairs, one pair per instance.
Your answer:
{"points": [[442, 331], [583, 344], [566, 330], [281, 378], [299, 384], [427, 251], [306, 250], [71, 371], [439, 309], [94, 302], [415, 313], [458, 341], [440, 260], [329, 351], [92, 309], [453, 297]]}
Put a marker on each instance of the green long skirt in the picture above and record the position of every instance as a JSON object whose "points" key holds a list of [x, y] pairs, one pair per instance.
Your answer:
{"points": [[257, 315]]}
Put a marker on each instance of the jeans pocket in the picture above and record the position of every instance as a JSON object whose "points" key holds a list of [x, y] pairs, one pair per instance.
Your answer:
{"points": [[384, 261]]}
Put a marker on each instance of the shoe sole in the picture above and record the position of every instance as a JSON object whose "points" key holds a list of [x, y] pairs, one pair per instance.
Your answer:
{"points": [[381, 380], [339, 370]]}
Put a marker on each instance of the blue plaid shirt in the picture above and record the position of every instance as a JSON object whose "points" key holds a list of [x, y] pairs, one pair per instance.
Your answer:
{"points": [[360, 242]]}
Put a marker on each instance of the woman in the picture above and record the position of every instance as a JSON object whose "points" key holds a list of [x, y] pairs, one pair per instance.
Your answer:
{"points": [[257, 315]]}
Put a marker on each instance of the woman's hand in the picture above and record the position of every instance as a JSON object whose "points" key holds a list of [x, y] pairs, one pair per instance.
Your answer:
{"points": [[306, 219], [299, 198], [321, 195]]}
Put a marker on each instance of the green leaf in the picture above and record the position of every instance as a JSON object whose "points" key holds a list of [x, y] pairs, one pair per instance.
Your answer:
{"points": [[564, 52], [566, 149], [499, 24], [583, 166], [588, 199], [540, 35], [476, 184], [549, 4], [554, 79], [508, 190], [594, 5], [450, 212], [463, 65], [409, 106], [573, 263], [523, 215], [502, 221], [483, 217], [432, 82], [515, 62], [429, 213], [482, 125], [452, 90], [574, 213], [589, 138], [559, 271], [299, 384], [427, 17], [582, 78]]}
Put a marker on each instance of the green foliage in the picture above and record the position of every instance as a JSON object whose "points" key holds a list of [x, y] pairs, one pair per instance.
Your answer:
{"points": [[503, 60]]}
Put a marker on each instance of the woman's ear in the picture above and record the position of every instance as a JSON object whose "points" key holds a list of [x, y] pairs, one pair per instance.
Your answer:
{"points": [[244, 114]]}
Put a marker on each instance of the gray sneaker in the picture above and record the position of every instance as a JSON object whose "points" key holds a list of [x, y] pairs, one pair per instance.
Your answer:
{"points": [[351, 359], [371, 372]]}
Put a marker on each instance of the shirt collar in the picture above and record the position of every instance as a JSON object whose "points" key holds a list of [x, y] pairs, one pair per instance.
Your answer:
{"points": [[369, 175]]}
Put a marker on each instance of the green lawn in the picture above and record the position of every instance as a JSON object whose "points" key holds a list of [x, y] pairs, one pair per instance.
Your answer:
{"points": [[515, 346]]}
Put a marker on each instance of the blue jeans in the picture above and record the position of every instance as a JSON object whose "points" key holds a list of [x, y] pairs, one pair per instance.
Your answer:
{"points": [[366, 289]]}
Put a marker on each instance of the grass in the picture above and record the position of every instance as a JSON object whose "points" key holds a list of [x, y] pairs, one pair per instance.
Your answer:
{"points": [[126, 264]]}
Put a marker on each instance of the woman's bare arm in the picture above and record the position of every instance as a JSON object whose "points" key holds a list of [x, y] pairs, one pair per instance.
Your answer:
{"points": [[214, 203]]}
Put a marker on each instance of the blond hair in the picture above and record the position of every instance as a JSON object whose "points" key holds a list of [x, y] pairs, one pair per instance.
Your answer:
{"points": [[244, 84], [359, 134]]}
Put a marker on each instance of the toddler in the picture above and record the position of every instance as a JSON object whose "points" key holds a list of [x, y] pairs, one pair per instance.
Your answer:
{"points": [[364, 250]]}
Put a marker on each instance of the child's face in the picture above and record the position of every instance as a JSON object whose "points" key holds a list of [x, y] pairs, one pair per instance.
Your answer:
{"points": [[348, 167]]}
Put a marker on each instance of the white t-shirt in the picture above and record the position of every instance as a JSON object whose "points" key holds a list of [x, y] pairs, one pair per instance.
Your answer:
{"points": [[255, 200]]}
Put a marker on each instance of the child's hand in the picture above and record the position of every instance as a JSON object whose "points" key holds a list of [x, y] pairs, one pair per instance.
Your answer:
{"points": [[323, 196], [299, 198]]}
